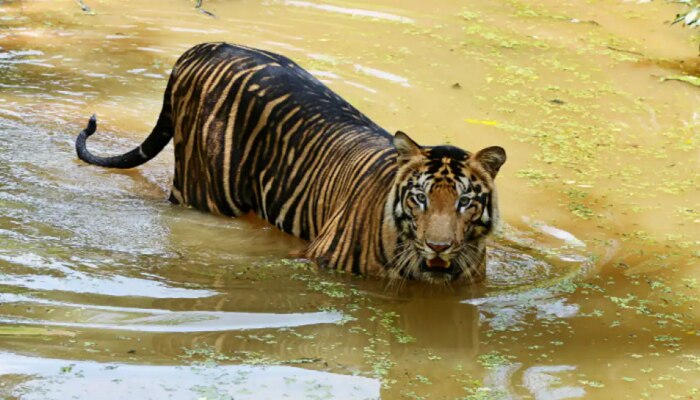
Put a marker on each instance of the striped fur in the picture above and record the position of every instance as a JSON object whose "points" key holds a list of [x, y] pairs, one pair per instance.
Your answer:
{"points": [[253, 131]]}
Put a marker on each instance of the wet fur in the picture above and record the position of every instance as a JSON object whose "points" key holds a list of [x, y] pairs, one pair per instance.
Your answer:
{"points": [[253, 131]]}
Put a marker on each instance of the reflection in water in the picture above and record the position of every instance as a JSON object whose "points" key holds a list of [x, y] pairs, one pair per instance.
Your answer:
{"points": [[511, 311], [114, 286], [71, 280], [443, 325], [350, 11], [560, 234], [382, 75], [157, 320], [542, 381], [67, 379]]}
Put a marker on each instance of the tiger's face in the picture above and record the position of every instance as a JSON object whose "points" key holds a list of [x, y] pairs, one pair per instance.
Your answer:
{"points": [[444, 206]]}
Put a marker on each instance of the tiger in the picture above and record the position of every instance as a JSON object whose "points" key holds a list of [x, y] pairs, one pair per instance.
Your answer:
{"points": [[255, 132]]}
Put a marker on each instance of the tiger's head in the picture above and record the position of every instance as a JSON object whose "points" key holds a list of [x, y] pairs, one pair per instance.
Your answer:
{"points": [[444, 205]]}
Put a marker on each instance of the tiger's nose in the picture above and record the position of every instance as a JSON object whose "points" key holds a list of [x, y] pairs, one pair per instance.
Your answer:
{"points": [[439, 247]]}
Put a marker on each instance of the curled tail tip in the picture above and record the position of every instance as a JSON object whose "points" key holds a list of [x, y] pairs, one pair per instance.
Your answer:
{"points": [[91, 126]]}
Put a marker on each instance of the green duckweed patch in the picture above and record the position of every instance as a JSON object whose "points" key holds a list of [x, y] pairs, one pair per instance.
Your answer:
{"points": [[576, 138], [536, 176], [494, 359]]}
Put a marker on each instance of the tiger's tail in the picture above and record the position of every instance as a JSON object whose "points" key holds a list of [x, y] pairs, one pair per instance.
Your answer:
{"points": [[154, 143]]}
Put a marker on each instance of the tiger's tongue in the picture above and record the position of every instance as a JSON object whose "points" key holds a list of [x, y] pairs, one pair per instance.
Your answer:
{"points": [[437, 262]]}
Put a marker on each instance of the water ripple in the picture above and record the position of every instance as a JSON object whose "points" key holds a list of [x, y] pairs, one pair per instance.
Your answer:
{"points": [[66, 379]]}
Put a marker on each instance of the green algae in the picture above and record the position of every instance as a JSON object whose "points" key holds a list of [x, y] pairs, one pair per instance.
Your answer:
{"points": [[563, 142], [494, 359], [536, 176]]}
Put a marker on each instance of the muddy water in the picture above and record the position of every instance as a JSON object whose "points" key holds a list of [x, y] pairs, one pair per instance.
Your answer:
{"points": [[108, 291]]}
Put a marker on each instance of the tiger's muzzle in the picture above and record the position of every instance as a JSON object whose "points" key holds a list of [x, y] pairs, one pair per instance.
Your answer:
{"points": [[438, 260]]}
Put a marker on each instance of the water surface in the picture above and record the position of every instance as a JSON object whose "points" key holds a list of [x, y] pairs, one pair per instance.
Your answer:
{"points": [[592, 291]]}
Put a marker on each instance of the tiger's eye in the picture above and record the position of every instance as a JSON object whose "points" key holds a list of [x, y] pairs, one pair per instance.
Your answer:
{"points": [[464, 201], [420, 197]]}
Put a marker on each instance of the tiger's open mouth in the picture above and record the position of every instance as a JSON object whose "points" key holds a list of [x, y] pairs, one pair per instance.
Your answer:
{"points": [[438, 267], [437, 263]]}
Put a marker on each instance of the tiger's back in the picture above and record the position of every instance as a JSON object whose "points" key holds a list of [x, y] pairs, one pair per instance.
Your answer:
{"points": [[254, 131]]}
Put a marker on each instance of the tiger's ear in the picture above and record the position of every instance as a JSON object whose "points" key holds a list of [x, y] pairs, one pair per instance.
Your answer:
{"points": [[406, 148], [491, 158]]}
